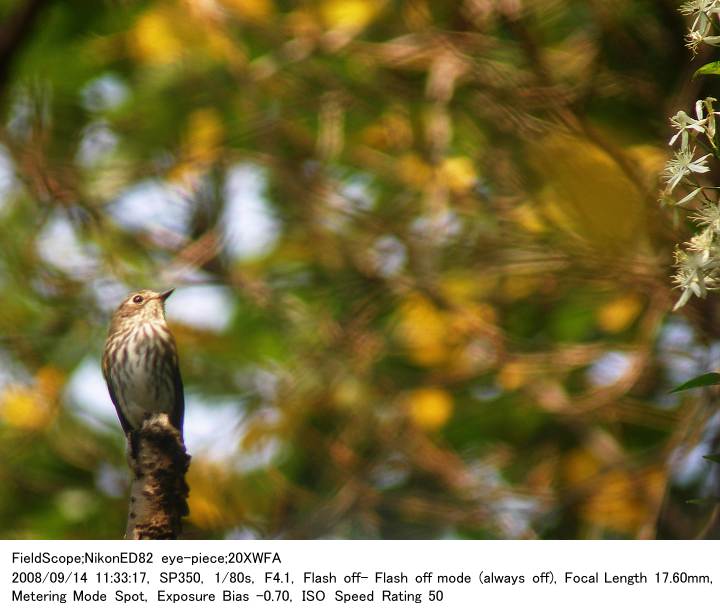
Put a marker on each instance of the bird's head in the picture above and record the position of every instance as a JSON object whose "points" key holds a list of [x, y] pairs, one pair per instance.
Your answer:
{"points": [[141, 306]]}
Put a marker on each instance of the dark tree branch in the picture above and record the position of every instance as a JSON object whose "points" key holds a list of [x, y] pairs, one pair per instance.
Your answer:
{"points": [[14, 33], [158, 494]]}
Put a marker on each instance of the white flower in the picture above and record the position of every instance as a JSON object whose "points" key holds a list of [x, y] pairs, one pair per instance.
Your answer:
{"points": [[683, 165], [698, 6], [695, 38], [708, 216], [701, 25], [667, 200], [689, 197], [683, 123], [697, 269], [703, 243], [695, 274], [703, 105], [693, 41]]}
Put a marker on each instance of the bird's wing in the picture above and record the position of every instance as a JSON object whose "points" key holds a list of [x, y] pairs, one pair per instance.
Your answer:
{"points": [[127, 428], [179, 415]]}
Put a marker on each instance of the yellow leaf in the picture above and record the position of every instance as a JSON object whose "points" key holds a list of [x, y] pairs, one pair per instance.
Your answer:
{"points": [[424, 330], [221, 47], [464, 287], [205, 132], [414, 171], [204, 512], [623, 502], [23, 407], [588, 194], [512, 376], [165, 34], [458, 173], [206, 483], [393, 132], [579, 466], [153, 38], [349, 14], [650, 159], [201, 145], [459, 288], [429, 408], [529, 219], [618, 314], [617, 499]]}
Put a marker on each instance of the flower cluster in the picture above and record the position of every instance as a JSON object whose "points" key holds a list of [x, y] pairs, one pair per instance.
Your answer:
{"points": [[698, 264], [702, 29]]}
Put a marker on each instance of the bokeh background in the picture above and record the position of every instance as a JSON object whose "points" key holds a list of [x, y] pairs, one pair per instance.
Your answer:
{"points": [[423, 278]]}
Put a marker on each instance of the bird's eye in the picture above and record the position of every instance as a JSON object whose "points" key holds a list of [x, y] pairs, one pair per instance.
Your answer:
{"points": [[138, 299]]}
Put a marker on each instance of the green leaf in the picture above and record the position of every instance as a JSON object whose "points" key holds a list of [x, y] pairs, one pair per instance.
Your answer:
{"points": [[704, 380], [713, 457], [712, 68], [703, 501]]}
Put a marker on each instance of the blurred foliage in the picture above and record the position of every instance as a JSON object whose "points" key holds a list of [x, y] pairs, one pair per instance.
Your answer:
{"points": [[459, 325]]}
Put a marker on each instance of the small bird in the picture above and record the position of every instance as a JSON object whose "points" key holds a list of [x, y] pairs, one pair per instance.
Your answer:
{"points": [[140, 363]]}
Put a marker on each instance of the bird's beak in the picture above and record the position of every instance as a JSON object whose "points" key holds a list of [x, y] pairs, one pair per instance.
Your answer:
{"points": [[166, 294]]}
